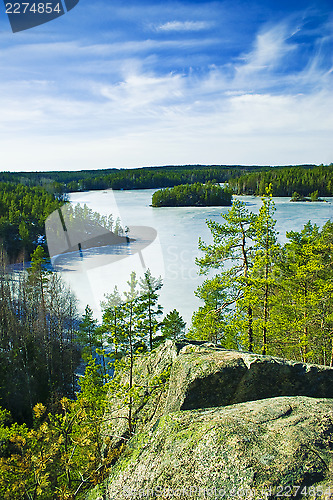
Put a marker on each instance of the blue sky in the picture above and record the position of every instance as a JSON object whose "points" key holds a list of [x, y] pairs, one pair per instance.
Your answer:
{"points": [[129, 84]]}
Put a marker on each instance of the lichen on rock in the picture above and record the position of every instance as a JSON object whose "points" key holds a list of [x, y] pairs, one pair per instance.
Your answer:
{"points": [[226, 424]]}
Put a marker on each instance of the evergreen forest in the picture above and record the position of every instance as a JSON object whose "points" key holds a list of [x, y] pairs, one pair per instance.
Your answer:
{"points": [[286, 181], [264, 297], [190, 195], [59, 368], [253, 179], [51, 420], [23, 211], [137, 178]]}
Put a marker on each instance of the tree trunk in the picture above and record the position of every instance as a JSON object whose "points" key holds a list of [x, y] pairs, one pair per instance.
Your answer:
{"points": [[264, 330], [130, 428], [250, 328]]}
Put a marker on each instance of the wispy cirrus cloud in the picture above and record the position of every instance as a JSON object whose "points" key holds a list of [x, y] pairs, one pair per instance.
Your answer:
{"points": [[175, 92], [184, 26], [271, 46]]}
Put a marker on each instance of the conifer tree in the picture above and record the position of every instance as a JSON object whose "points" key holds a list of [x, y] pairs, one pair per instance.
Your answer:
{"points": [[261, 275], [231, 253], [64, 454], [211, 321], [113, 322], [88, 335], [302, 312], [132, 312], [150, 308], [173, 326]]}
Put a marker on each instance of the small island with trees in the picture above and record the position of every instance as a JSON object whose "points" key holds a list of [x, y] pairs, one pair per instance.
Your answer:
{"points": [[312, 197], [193, 195]]}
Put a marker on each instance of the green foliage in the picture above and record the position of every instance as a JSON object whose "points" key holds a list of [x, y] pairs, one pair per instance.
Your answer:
{"points": [[38, 353], [132, 337], [130, 323], [265, 298], [297, 197], [172, 326], [88, 335], [298, 181], [63, 455], [133, 318], [210, 322], [113, 322], [262, 280], [23, 211], [243, 179], [314, 196], [131, 392], [197, 194], [149, 306], [231, 244], [137, 178], [82, 218], [302, 316]]}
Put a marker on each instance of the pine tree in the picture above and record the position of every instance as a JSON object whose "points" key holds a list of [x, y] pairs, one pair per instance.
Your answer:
{"points": [[231, 253], [173, 326], [262, 281], [64, 453], [132, 315], [113, 322], [210, 322], [149, 306], [88, 334], [302, 312]]}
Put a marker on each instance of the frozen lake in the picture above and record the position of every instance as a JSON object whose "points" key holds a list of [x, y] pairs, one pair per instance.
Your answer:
{"points": [[172, 253]]}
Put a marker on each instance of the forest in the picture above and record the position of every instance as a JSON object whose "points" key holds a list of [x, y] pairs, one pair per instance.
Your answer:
{"points": [[190, 195], [58, 368], [285, 181], [23, 211], [264, 297], [27, 199], [61, 182], [51, 420]]}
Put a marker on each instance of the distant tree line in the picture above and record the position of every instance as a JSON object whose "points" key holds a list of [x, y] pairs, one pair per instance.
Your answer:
{"points": [[286, 181], [190, 195], [61, 182]]}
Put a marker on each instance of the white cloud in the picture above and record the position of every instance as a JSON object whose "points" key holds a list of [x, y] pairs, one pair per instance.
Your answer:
{"points": [[247, 128], [131, 113], [260, 65], [184, 26], [141, 90]]}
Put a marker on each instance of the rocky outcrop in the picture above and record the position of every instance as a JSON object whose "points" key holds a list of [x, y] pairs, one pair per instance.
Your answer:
{"points": [[253, 450], [225, 425], [205, 376]]}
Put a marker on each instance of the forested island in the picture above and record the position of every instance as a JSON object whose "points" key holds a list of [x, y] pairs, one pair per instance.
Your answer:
{"points": [[312, 197], [193, 195]]}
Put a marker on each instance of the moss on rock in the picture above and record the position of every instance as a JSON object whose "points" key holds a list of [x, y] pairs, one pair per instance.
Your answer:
{"points": [[225, 424]]}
